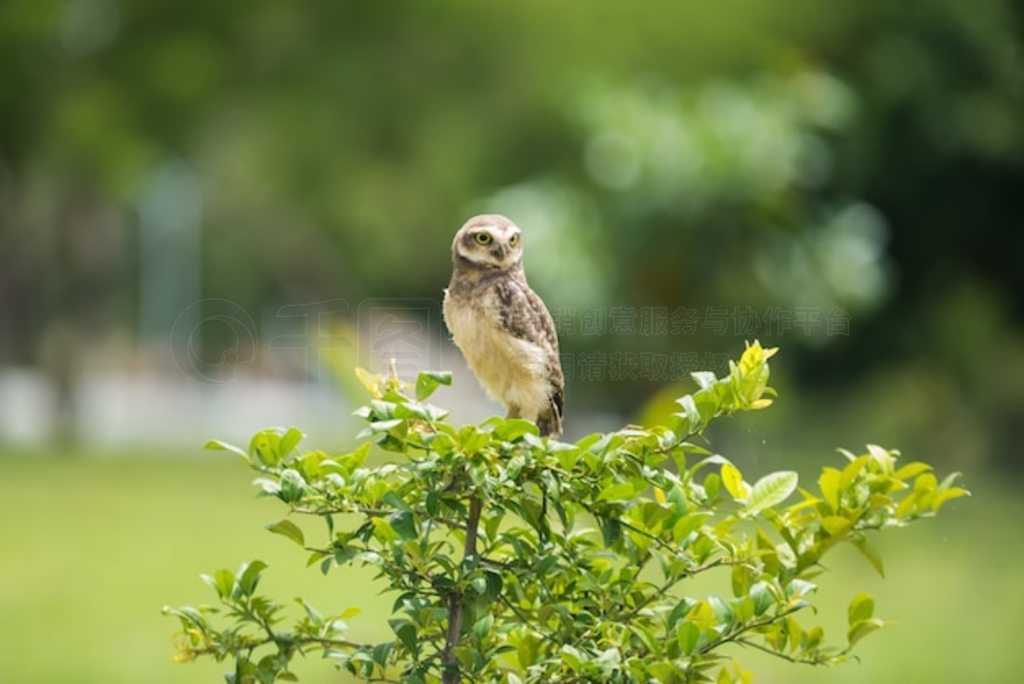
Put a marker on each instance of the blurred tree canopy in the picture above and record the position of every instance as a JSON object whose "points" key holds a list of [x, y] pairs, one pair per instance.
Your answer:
{"points": [[861, 158]]}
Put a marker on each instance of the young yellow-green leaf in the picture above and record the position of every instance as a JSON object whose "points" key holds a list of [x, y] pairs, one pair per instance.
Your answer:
{"points": [[687, 524], [371, 381], [926, 482], [912, 470], [828, 482], [383, 531], [289, 440], [428, 381], [862, 607], [909, 503], [852, 470], [773, 488], [836, 525], [702, 615], [947, 495], [218, 445], [265, 446], [526, 649], [732, 478], [288, 529], [861, 629], [883, 457]]}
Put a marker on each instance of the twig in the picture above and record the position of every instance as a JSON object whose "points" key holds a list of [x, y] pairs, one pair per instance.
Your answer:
{"points": [[450, 668]]}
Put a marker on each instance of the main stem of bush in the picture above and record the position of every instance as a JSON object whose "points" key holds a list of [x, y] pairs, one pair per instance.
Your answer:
{"points": [[450, 665]]}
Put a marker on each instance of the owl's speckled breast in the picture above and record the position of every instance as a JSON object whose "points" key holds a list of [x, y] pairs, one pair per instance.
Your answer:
{"points": [[512, 371]]}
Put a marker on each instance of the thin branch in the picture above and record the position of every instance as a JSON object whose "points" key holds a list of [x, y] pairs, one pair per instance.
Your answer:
{"points": [[644, 533], [364, 510], [450, 668], [737, 635], [526, 619], [777, 654]]}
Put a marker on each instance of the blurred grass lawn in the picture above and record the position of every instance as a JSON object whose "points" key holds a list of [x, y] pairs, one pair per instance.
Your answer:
{"points": [[93, 547]]}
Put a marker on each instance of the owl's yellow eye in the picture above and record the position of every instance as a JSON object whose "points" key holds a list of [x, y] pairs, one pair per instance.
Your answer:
{"points": [[483, 238], [514, 240]]}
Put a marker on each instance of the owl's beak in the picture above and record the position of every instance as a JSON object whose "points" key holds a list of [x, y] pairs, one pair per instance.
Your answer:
{"points": [[499, 252]]}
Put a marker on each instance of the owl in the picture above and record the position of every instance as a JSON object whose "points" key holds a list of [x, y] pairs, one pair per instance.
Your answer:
{"points": [[501, 326]]}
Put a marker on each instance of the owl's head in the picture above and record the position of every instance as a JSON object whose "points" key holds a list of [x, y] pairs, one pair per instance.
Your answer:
{"points": [[488, 241]]}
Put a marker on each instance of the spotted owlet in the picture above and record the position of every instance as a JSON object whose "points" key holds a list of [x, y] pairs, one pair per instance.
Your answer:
{"points": [[501, 326]]}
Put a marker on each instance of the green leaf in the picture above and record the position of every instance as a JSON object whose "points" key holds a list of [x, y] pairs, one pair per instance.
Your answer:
{"points": [[771, 489], [288, 529], [688, 524], [427, 382], [394, 500], [483, 626], [712, 483], [619, 491], [381, 652], [404, 524], [687, 635], [870, 554], [406, 633], [862, 607], [250, 576], [512, 429], [224, 581], [314, 615], [763, 597], [527, 648], [798, 588], [571, 657], [293, 486], [611, 531]]}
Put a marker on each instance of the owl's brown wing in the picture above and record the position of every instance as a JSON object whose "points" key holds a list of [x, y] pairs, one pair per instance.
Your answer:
{"points": [[523, 315]]}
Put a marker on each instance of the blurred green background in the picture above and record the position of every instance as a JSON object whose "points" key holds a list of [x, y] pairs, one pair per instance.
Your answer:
{"points": [[209, 212]]}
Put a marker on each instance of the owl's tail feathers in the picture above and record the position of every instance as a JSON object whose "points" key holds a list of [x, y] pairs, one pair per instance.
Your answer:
{"points": [[550, 419]]}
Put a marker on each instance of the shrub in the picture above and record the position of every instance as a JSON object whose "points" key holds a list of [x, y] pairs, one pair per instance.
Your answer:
{"points": [[514, 558]]}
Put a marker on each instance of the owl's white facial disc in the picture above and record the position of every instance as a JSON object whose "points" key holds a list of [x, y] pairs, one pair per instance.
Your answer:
{"points": [[489, 241]]}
